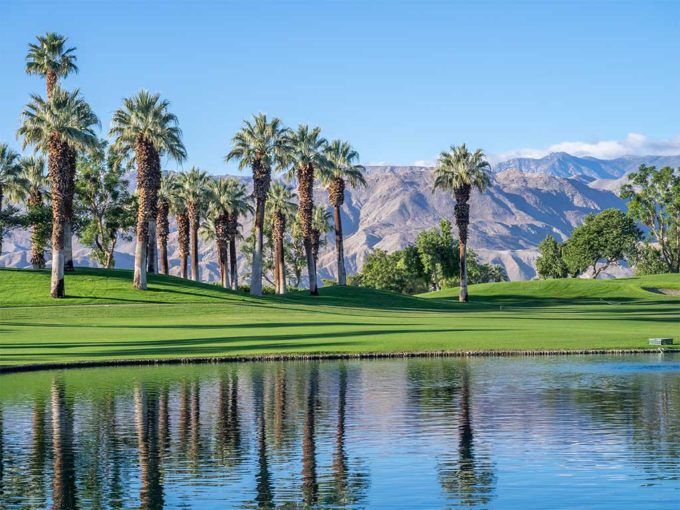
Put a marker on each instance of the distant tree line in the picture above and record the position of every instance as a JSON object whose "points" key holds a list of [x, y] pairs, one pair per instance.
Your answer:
{"points": [[612, 236], [431, 263]]}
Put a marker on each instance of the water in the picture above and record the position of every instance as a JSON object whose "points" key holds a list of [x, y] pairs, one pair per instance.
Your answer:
{"points": [[570, 432]]}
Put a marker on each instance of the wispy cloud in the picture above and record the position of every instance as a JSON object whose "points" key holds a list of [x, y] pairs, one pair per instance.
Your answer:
{"points": [[634, 144]]}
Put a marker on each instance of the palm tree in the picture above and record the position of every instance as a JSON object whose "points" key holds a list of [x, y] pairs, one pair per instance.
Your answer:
{"points": [[10, 177], [320, 225], [212, 230], [307, 156], [460, 171], [36, 185], [166, 191], [50, 59], [178, 207], [228, 198], [281, 208], [343, 170], [144, 129], [194, 185], [59, 127], [261, 145], [234, 234]]}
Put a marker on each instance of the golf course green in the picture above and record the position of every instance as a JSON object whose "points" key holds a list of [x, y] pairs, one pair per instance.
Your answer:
{"points": [[104, 319]]}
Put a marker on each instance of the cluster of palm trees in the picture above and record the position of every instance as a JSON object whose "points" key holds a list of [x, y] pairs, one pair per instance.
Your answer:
{"points": [[144, 131]]}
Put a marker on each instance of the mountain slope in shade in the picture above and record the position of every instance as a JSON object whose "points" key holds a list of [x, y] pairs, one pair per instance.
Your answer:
{"points": [[508, 221], [562, 164]]}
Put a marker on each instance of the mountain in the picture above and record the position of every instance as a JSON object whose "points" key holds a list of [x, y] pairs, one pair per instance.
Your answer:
{"points": [[562, 164]]}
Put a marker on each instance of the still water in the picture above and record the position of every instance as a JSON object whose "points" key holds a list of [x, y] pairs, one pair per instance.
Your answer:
{"points": [[570, 432]]}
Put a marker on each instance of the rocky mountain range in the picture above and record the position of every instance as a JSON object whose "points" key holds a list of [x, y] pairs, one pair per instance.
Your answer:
{"points": [[528, 199]]}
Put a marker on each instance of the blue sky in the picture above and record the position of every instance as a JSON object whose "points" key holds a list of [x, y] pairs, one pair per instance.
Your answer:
{"points": [[401, 80]]}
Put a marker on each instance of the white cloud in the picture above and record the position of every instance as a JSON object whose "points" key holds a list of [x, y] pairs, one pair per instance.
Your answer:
{"points": [[424, 162], [634, 144]]}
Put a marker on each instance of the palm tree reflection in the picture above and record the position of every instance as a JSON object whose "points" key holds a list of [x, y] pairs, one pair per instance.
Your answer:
{"points": [[63, 465], [147, 414]]}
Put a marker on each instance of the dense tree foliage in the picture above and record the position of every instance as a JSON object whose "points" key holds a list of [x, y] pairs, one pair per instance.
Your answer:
{"points": [[654, 200], [550, 263], [602, 240], [105, 209]]}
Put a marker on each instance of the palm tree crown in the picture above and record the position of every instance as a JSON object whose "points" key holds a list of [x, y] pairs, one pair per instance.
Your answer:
{"points": [[35, 178], [51, 59], [343, 168], [11, 181], [145, 118], [281, 199], [195, 184], [458, 170], [66, 117], [260, 145], [228, 197], [306, 148]]}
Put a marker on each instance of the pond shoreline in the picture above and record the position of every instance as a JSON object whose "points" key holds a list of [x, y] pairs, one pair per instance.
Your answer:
{"points": [[34, 367]]}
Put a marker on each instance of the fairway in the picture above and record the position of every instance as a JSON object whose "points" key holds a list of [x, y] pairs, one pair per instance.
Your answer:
{"points": [[105, 319]]}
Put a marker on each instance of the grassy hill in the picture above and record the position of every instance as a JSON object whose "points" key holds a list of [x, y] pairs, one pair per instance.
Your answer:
{"points": [[104, 318]]}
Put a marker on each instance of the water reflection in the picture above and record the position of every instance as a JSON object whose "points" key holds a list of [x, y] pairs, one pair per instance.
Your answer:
{"points": [[416, 433]]}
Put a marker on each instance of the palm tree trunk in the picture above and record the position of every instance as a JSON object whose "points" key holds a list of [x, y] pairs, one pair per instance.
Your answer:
{"points": [[162, 232], [151, 249], [462, 212], [232, 262], [68, 247], [339, 246], [68, 227], [58, 162], [148, 182], [37, 248], [256, 273], [305, 175], [194, 247], [311, 267], [282, 268], [183, 242], [277, 267]]}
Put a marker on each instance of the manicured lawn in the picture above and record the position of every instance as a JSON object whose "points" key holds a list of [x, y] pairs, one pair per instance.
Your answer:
{"points": [[104, 318]]}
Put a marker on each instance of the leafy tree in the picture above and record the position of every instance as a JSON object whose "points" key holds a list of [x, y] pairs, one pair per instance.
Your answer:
{"points": [[649, 261], [295, 252], [143, 130], [382, 271], [59, 127], [436, 250], [38, 213], [262, 146], [343, 169], [602, 240], [11, 185], [105, 206], [487, 273], [320, 226], [654, 200], [550, 263], [460, 171]]}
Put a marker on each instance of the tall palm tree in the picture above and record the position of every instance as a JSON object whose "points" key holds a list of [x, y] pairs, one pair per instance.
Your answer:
{"points": [[320, 225], [234, 234], [261, 145], [50, 59], [281, 209], [144, 129], [178, 207], [10, 177], [460, 171], [307, 156], [194, 184], [59, 127], [343, 169], [228, 198], [166, 191], [36, 185]]}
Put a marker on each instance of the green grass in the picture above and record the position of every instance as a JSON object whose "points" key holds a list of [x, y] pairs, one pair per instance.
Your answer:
{"points": [[104, 318]]}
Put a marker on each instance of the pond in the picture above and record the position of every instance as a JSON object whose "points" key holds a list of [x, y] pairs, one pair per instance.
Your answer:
{"points": [[558, 432]]}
